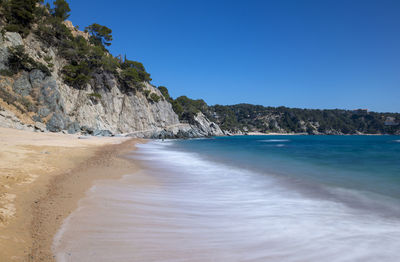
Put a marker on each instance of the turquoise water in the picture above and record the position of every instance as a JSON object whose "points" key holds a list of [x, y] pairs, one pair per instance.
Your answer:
{"points": [[365, 163], [245, 198]]}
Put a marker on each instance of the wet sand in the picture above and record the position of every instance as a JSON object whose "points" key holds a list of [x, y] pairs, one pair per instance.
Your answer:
{"points": [[42, 177]]}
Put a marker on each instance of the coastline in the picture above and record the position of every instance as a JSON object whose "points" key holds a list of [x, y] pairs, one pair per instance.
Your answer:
{"points": [[189, 204], [43, 176], [305, 134]]}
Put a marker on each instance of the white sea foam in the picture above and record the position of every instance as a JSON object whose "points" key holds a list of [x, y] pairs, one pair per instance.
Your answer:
{"points": [[203, 211], [274, 140]]}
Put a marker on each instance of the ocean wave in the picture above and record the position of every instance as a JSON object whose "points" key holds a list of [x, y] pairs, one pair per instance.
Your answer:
{"points": [[222, 205], [201, 210], [274, 140]]}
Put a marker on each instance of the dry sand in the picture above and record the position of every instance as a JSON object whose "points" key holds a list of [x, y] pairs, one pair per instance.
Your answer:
{"points": [[42, 177]]}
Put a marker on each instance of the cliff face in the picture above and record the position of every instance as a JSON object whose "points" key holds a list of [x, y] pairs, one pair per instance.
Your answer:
{"points": [[34, 100]]}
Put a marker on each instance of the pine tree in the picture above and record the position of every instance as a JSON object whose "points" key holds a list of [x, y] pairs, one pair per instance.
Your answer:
{"points": [[101, 35], [61, 9]]}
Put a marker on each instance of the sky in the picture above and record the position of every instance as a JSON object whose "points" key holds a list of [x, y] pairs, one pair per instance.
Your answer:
{"points": [[296, 53]]}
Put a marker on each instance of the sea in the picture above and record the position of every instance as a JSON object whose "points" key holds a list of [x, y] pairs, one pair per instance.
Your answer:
{"points": [[245, 198]]}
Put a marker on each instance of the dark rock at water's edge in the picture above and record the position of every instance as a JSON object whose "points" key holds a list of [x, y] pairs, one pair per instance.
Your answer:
{"points": [[74, 128], [57, 123], [102, 133]]}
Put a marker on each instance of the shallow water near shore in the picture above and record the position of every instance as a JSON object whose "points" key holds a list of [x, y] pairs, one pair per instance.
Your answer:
{"points": [[300, 198]]}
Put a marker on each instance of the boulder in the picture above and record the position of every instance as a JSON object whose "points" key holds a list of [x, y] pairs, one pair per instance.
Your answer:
{"points": [[87, 130], [40, 127], [22, 85], [56, 123], [50, 95], [43, 112], [73, 128], [205, 126], [102, 133], [36, 78], [13, 38], [37, 118]]}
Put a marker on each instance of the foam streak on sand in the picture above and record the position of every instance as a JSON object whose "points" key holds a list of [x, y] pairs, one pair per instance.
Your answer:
{"points": [[186, 208]]}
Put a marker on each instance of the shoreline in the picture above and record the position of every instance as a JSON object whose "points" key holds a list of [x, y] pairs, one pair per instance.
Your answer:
{"points": [[65, 191], [305, 134], [42, 178]]}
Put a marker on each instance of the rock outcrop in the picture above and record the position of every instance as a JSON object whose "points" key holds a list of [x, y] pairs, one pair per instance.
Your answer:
{"points": [[202, 127]]}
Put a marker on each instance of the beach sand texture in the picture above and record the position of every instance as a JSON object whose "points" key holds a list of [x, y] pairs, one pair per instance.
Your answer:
{"points": [[42, 177]]}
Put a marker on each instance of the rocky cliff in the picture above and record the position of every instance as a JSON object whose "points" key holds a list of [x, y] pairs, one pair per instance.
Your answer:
{"points": [[34, 99]]}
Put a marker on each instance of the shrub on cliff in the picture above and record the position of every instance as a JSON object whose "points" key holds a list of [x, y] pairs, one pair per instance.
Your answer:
{"points": [[84, 57], [53, 32], [141, 74], [178, 108], [19, 60], [95, 95], [77, 75], [165, 93], [133, 74], [110, 63], [74, 50], [154, 97]]}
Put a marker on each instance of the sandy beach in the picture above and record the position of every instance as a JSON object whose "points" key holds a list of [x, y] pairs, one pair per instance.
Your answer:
{"points": [[42, 177]]}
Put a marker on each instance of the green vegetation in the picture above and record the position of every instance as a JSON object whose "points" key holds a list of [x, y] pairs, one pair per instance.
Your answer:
{"points": [[100, 34], [141, 74], [146, 92], [96, 95], [183, 106], [225, 117], [189, 107], [154, 97], [246, 117], [19, 60], [77, 75], [165, 93], [85, 57], [61, 9], [47, 59], [110, 64], [19, 15], [176, 105], [274, 119]]}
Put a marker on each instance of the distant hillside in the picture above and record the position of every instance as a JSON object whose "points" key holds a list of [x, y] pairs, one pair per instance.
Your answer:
{"points": [[244, 118]]}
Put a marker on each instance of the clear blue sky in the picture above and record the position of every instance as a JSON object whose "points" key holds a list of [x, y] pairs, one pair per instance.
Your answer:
{"points": [[307, 54]]}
